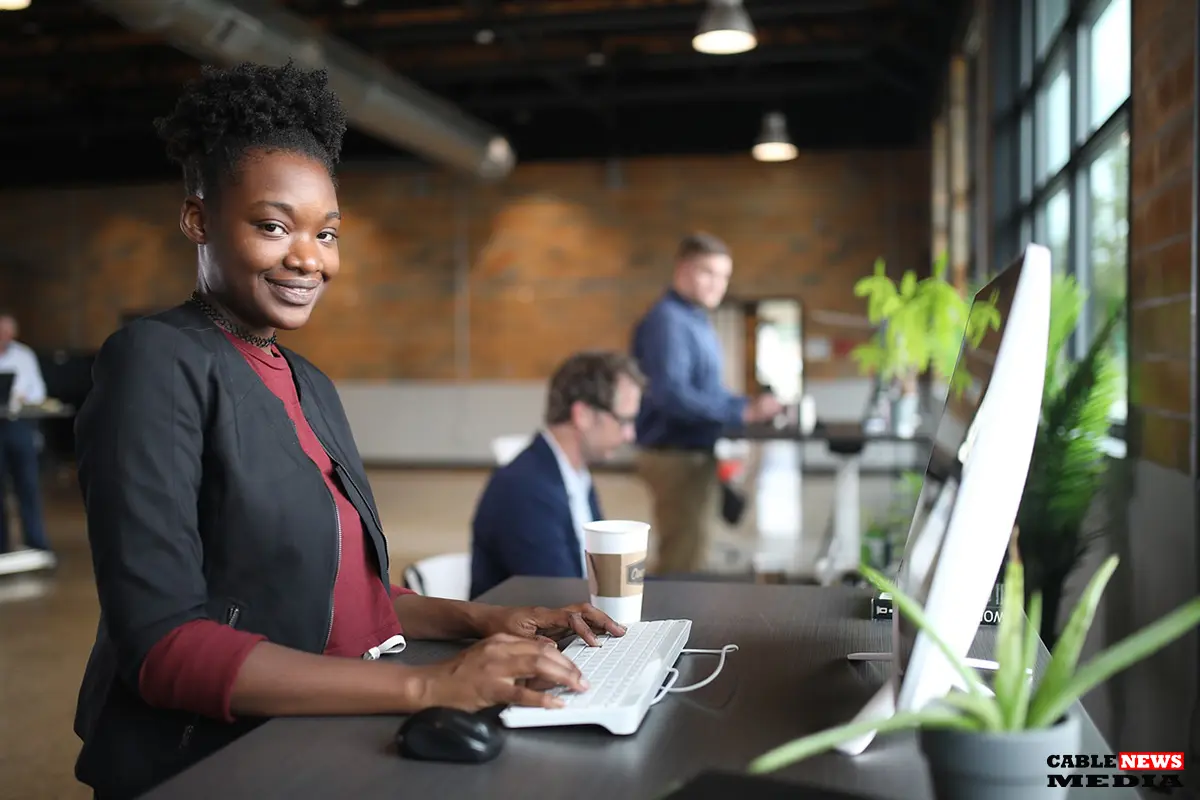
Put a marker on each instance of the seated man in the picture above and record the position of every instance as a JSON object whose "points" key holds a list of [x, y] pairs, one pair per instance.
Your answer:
{"points": [[529, 520]]}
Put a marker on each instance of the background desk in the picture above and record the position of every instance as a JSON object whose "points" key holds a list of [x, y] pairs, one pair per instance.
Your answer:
{"points": [[789, 678], [846, 443]]}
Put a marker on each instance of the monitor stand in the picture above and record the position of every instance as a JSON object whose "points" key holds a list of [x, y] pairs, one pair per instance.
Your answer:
{"points": [[883, 704]]}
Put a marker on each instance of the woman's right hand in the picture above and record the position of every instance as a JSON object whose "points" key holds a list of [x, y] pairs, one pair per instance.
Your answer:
{"points": [[496, 671]]}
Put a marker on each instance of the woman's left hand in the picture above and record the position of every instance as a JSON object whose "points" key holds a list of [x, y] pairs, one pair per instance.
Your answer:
{"points": [[537, 622]]}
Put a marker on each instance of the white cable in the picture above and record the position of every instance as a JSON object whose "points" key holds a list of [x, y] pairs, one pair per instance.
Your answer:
{"points": [[395, 644], [673, 674]]}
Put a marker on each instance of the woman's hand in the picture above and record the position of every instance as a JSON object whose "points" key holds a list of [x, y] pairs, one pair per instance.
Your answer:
{"points": [[494, 672], [552, 624]]}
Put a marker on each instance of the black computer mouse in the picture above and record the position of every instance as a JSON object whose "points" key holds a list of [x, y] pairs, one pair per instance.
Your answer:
{"points": [[448, 734]]}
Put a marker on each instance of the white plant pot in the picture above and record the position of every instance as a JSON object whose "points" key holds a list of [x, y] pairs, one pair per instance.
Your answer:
{"points": [[906, 415]]}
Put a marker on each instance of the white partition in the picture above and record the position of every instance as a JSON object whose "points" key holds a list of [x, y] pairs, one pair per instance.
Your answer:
{"points": [[429, 423], [434, 423]]}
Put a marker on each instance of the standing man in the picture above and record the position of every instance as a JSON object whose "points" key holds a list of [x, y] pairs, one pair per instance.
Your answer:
{"points": [[685, 406], [18, 451]]}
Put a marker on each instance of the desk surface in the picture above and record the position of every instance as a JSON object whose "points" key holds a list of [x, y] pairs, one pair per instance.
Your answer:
{"points": [[789, 678], [37, 412], [832, 431]]}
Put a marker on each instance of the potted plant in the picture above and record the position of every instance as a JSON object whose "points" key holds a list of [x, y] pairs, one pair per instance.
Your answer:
{"points": [[985, 746], [920, 324], [887, 531], [1069, 459]]}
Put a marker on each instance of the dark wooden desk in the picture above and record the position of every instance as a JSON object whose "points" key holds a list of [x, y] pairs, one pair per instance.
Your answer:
{"points": [[39, 413], [835, 432], [789, 677]]}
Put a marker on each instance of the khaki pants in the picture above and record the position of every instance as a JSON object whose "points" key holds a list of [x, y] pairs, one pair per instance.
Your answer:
{"points": [[683, 489]]}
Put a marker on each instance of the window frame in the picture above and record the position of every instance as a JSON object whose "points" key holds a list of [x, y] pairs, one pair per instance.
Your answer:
{"points": [[1022, 73]]}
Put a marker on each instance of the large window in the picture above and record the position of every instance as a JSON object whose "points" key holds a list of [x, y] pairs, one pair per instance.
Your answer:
{"points": [[1061, 121]]}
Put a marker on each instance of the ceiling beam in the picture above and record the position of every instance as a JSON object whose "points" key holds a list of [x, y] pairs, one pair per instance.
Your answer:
{"points": [[639, 63], [382, 29], [468, 61], [170, 67], [619, 97], [124, 111]]}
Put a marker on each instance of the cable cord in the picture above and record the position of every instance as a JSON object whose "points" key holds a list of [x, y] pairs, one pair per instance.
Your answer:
{"points": [[673, 673]]}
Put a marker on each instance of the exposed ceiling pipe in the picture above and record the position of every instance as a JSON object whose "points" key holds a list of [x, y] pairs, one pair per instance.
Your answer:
{"points": [[376, 99]]}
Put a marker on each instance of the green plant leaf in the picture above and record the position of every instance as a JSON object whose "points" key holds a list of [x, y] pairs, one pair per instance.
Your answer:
{"points": [[802, 748], [921, 321], [1065, 657], [983, 316], [940, 265], [1033, 624], [889, 305], [910, 608], [1009, 637], [1069, 455], [985, 710], [960, 381], [1121, 655]]}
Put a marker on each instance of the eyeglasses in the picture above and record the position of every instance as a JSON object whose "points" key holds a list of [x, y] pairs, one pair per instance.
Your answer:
{"points": [[621, 420]]}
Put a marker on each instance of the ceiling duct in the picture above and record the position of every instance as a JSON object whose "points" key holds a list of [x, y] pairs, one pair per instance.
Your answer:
{"points": [[376, 100]]}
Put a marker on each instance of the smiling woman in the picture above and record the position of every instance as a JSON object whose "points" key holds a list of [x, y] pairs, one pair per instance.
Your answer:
{"points": [[261, 206], [240, 564]]}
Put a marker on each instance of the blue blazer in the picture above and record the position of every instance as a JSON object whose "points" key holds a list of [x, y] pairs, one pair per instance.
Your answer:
{"points": [[522, 524]]}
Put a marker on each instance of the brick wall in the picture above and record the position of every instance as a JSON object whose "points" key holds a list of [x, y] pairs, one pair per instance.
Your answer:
{"points": [[1160, 283], [1154, 702], [447, 281]]}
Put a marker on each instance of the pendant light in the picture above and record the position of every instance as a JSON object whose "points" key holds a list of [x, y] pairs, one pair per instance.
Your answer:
{"points": [[724, 29], [773, 143], [14, 5]]}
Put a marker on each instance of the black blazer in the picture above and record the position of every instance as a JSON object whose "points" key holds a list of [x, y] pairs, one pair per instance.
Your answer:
{"points": [[200, 504], [523, 524]]}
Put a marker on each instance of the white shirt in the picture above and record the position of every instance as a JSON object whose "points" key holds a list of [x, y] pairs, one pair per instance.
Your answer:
{"points": [[579, 488], [28, 384]]}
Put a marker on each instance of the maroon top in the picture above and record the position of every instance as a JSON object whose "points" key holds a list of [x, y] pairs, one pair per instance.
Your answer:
{"points": [[193, 667]]}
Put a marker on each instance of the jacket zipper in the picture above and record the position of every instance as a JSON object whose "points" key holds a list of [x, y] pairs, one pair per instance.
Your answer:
{"points": [[231, 619], [345, 472], [371, 511], [358, 491], [337, 565], [337, 521]]}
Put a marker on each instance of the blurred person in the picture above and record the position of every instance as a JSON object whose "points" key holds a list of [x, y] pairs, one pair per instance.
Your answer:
{"points": [[686, 407], [18, 440], [530, 517], [240, 563]]}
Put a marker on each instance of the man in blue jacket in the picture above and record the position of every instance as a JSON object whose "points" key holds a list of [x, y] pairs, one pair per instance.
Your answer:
{"points": [[686, 406], [530, 517]]}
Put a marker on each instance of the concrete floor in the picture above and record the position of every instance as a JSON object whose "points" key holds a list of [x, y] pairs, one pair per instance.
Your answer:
{"points": [[48, 622]]}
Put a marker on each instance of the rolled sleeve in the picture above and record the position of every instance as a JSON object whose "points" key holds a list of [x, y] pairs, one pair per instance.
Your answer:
{"points": [[139, 439]]}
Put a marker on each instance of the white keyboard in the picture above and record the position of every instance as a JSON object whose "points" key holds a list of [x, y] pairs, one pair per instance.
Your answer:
{"points": [[623, 674]]}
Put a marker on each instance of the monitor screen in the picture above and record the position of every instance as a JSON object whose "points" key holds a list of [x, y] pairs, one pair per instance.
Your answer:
{"points": [[950, 457], [972, 486]]}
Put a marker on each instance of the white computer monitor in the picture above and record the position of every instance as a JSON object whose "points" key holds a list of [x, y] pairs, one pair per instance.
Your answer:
{"points": [[972, 488]]}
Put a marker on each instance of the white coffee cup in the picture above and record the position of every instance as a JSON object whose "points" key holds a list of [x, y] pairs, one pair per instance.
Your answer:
{"points": [[616, 561]]}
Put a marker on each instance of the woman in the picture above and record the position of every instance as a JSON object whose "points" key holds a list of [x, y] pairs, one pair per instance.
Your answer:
{"points": [[235, 539]]}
